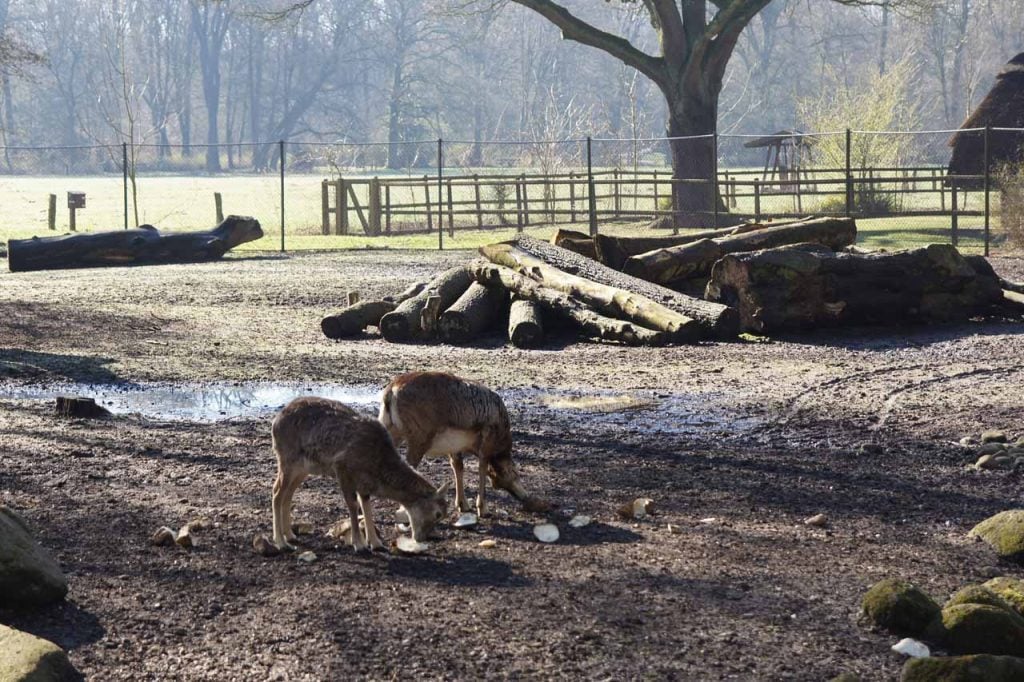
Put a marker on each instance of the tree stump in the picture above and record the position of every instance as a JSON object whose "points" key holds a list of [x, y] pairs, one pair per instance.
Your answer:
{"points": [[81, 407]]}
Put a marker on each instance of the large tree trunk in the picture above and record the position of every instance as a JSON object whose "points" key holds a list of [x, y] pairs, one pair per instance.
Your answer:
{"points": [[143, 245], [808, 286], [525, 326], [609, 300], [693, 161], [472, 314], [614, 251], [405, 322], [564, 306], [715, 320], [695, 259], [355, 318]]}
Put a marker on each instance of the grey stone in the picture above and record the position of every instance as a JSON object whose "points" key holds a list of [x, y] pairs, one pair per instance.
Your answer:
{"points": [[27, 658], [28, 574]]}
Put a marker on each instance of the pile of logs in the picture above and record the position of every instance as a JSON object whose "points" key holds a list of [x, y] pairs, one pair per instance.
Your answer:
{"points": [[683, 289]]}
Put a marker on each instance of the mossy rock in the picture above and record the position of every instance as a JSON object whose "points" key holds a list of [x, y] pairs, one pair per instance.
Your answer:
{"points": [[1004, 532], [980, 594], [993, 436], [1010, 589], [28, 574], [899, 607], [982, 629], [845, 677], [979, 668], [27, 658]]}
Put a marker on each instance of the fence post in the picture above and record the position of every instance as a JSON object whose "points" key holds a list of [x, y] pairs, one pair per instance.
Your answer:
{"points": [[519, 206], [218, 207], [616, 197], [757, 200], [51, 214], [373, 220], [954, 217], [526, 200], [280, 149], [341, 207], [440, 200], [124, 179], [387, 209], [572, 197], [426, 200], [714, 198], [451, 208], [591, 200], [849, 175], [325, 207], [988, 186], [654, 181]]}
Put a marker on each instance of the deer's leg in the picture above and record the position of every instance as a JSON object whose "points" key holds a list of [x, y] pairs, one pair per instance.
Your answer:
{"points": [[371, 531], [458, 468], [483, 464], [348, 491], [284, 487]]}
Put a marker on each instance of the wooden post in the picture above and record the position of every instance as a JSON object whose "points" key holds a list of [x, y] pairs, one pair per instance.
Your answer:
{"points": [[526, 202], [572, 197], [942, 196], [476, 196], [451, 208], [387, 209], [735, 183], [373, 220], [341, 206], [615, 187], [430, 213], [351, 298], [218, 207], [954, 217], [657, 197], [51, 214], [71, 219], [519, 207], [325, 207], [757, 200]]}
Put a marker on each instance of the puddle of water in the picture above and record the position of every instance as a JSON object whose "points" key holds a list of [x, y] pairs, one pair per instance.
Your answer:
{"points": [[197, 402], [653, 411]]}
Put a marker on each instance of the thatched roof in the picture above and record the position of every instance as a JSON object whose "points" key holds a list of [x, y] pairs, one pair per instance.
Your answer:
{"points": [[1003, 107], [792, 136]]}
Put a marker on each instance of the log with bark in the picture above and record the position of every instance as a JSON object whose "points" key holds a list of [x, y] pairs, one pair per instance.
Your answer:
{"points": [[557, 303], [808, 286], [714, 320], [664, 266], [525, 326], [144, 245], [405, 322], [615, 251], [355, 318], [472, 314], [605, 299], [577, 242]]}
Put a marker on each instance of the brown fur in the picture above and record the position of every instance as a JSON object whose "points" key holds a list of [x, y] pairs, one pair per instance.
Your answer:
{"points": [[440, 414], [325, 437]]}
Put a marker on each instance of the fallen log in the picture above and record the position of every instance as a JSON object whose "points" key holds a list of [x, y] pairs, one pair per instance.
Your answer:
{"points": [[560, 304], [577, 242], [615, 251], [696, 258], [405, 322], [806, 286], [605, 299], [525, 328], [474, 312], [144, 245], [355, 319], [715, 320]]}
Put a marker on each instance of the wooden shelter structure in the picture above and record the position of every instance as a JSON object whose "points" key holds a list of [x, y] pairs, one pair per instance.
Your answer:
{"points": [[1002, 109], [786, 152]]}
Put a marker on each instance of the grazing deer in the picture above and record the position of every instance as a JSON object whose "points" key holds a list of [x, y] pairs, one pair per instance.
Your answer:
{"points": [[440, 415], [328, 438]]}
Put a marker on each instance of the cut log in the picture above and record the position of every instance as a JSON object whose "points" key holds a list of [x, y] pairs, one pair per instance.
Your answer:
{"points": [[429, 313], [689, 260], [715, 320], [605, 299], [806, 286], [525, 328], [78, 406], [410, 291], [577, 242], [144, 245], [355, 318], [591, 323], [472, 314], [404, 323], [615, 251]]}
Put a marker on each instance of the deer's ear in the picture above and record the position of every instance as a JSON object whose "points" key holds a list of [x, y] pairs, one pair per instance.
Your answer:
{"points": [[443, 490]]}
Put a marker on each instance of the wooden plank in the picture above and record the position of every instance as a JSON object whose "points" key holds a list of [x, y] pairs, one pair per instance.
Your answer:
{"points": [[359, 209], [325, 207]]}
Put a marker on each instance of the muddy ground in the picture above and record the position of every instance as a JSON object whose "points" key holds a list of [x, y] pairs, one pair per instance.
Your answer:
{"points": [[860, 425]]}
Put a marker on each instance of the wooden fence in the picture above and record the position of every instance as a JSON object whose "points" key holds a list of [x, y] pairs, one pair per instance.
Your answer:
{"points": [[389, 205]]}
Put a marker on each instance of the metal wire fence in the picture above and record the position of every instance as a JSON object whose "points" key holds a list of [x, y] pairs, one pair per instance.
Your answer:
{"points": [[461, 193]]}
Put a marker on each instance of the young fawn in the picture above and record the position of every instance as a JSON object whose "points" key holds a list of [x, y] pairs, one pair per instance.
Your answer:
{"points": [[328, 438], [440, 415]]}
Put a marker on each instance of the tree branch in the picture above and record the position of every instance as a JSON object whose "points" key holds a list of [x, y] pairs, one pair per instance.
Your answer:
{"points": [[574, 28]]}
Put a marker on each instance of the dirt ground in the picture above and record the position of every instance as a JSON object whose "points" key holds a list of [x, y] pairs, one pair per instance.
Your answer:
{"points": [[860, 425]]}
